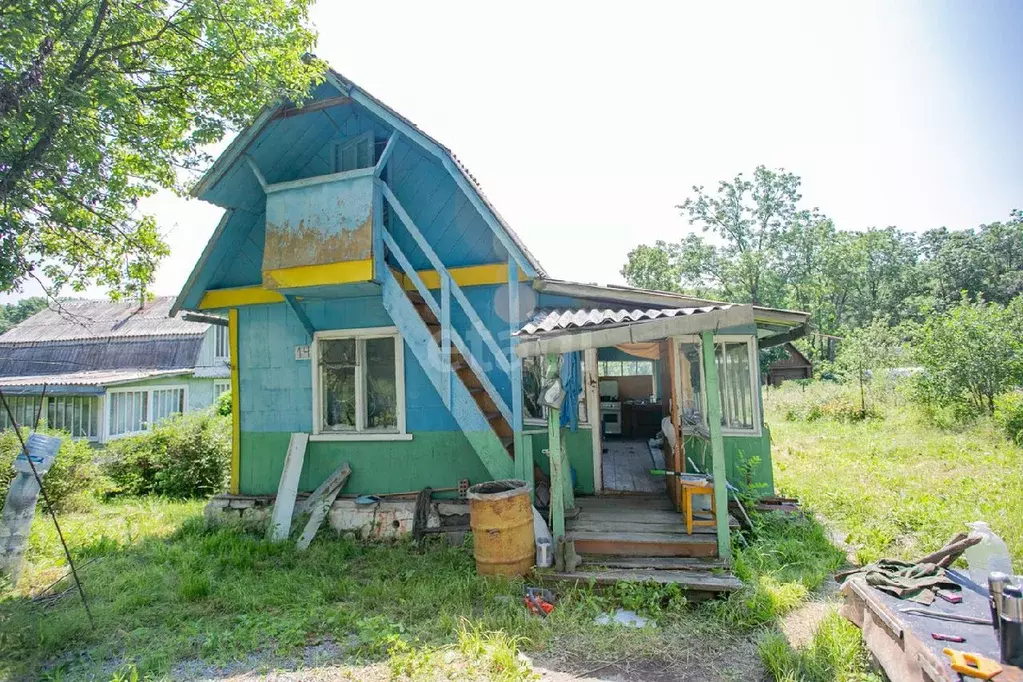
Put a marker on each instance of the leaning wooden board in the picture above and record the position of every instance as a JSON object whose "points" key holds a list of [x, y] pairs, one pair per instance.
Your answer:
{"points": [[902, 642]]}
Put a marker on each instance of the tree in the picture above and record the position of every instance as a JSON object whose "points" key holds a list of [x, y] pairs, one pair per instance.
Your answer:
{"points": [[867, 352], [689, 266], [750, 217], [103, 102], [12, 314], [971, 353]]}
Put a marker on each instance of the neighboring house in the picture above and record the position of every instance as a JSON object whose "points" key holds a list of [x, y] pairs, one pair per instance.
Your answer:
{"points": [[378, 302], [111, 369], [794, 365]]}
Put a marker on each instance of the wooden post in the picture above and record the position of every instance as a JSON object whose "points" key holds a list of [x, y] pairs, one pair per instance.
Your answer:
{"points": [[566, 467], [556, 461], [236, 411], [515, 367], [717, 445], [445, 336], [677, 461]]}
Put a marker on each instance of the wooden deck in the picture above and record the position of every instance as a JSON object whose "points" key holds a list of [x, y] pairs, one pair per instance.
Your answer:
{"points": [[641, 537]]}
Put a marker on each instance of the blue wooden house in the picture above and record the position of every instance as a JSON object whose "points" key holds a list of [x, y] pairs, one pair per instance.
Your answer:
{"points": [[378, 302]]}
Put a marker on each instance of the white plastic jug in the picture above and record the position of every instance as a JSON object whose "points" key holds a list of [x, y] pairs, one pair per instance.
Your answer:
{"points": [[988, 555]]}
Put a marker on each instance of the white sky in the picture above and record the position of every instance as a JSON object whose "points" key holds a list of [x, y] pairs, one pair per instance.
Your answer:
{"points": [[586, 126]]}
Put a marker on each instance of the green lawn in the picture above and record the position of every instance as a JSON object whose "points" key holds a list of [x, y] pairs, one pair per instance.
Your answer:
{"points": [[897, 486], [170, 592]]}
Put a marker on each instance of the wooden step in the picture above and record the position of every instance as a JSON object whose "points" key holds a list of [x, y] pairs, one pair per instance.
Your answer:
{"points": [[699, 581], [643, 544], [585, 522], [659, 563]]}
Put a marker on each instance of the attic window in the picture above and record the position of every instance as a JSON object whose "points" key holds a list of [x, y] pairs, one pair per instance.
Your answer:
{"points": [[355, 153]]}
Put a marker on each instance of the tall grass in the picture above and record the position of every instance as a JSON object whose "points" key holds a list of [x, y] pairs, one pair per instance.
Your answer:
{"points": [[897, 485]]}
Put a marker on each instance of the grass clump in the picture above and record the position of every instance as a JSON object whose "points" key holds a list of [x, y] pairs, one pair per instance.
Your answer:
{"points": [[835, 654]]}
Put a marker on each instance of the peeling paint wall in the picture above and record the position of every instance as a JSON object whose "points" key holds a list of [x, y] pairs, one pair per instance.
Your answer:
{"points": [[327, 222]]}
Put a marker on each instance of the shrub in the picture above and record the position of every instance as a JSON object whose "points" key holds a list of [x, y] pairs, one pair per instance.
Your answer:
{"points": [[71, 483], [184, 456], [1009, 415], [222, 405]]}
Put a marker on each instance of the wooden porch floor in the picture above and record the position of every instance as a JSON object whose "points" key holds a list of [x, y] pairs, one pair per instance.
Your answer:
{"points": [[626, 467], [642, 538]]}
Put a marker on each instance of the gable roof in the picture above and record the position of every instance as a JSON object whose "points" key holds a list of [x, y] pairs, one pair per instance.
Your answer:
{"points": [[235, 152], [99, 320]]}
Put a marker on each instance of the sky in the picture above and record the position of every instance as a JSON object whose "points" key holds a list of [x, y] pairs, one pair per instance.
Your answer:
{"points": [[587, 123]]}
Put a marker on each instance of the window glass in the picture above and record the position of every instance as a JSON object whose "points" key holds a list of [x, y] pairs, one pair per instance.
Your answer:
{"points": [[337, 381], [24, 408], [220, 346], [735, 385], [78, 415], [128, 411], [381, 384], [220, 387], [533, 372], [167, 402], [692, 384]]}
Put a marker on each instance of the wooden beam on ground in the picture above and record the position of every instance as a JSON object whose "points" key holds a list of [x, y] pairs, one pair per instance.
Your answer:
{"points": [[717, 445], [320, 502], [287, 491]]}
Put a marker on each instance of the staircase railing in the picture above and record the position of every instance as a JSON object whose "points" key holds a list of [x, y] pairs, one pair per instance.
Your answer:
{"points": [[449, 292]]}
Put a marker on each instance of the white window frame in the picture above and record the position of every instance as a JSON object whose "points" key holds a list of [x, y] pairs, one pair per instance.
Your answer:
{"points": [[221, 382], [98, 426], [147, 422], [340, 147], [219, 331], [754, 370], [360, 399], [584, 401]]}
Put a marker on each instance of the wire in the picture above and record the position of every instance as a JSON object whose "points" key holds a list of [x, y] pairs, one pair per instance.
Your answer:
{"points": [[46, 499]]}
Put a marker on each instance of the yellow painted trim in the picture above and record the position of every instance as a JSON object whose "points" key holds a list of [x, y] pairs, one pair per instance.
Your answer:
{"points": [[344, 272], [236, 421], [215, 299], [466, 276]]}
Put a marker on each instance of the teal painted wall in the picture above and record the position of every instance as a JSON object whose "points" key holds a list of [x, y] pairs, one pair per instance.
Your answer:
{"points": [[737, 450], [579, 445]]}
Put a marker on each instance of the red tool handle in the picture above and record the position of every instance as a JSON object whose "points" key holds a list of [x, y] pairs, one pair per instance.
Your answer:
{"points": [[948, 638]]}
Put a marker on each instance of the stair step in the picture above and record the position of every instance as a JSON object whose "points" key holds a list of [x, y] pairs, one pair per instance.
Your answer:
{"points": [[660, 563], [699, 581], [644, 544]]}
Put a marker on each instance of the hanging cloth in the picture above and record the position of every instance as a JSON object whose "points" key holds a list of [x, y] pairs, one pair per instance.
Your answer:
{"points": [[647, 351], [572, 384]]}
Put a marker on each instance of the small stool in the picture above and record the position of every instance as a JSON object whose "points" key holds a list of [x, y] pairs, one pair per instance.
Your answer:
{"points": [[690, 488]]}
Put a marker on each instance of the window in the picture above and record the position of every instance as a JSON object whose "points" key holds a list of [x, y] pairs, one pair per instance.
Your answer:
{"points": [[76, 414], [136, 410], [359, 383], [737, 383], [221, 346], [166, 402], [625, 368], [533, 372], [355, 153], [128, 412], [24, 408], [220, 388]]}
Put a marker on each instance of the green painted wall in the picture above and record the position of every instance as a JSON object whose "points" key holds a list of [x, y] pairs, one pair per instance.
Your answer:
{"points": [[738, 448], [436, 458], [579, 445]]}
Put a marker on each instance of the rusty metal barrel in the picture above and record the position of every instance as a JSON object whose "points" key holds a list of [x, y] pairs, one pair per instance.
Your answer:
{"points": [[501, 518]]}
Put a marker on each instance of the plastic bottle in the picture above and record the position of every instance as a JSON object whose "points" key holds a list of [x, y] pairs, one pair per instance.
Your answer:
{"points": [[990, 554]]}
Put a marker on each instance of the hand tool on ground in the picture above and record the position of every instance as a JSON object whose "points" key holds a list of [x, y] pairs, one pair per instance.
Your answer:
{"points": [[972, 665], [954, 617], [948, 638], [950, 597], [537, 605]]}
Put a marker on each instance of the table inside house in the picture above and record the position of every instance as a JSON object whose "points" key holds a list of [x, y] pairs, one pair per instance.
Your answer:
{"points": [[641, 420]]}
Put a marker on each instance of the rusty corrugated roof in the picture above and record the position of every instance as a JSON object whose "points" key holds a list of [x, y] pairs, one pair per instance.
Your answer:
{"points": [[546, 320]]}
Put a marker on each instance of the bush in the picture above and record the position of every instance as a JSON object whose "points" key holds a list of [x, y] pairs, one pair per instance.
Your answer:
{"points": [[71, 483], [184, 456], [1009, 415], [222, 405]]}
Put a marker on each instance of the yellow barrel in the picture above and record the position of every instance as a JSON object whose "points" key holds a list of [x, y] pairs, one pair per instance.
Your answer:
{"points": [[501, 518]]}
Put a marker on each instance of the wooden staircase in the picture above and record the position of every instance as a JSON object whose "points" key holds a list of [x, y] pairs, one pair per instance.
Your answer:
{"points": [[462, 369]]}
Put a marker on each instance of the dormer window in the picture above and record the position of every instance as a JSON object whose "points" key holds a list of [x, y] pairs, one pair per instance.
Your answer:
{"points": [[354, 153], [221, 350]]}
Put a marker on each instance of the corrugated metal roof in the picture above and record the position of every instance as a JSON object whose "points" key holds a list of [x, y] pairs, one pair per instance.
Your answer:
{"points": [[135, 353], [95, 320], [90, 378], [547, 320]]}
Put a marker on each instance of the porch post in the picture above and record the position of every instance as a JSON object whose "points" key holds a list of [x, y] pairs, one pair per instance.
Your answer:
{"points": [[554, 457], [523, 465], [717, 445]]}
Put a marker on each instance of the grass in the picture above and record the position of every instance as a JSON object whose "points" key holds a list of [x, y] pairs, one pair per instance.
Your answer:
{"points": [[168, 590], [836, 653], [898, 485]]}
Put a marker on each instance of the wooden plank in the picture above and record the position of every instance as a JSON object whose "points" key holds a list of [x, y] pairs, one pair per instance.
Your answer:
{"points": [[555, 460], [643, 536], [623, 502], [320, 502], [693, 546], [615, 526], [310, 108], [678, 461], [236, 421], [690, 580], [284, 504], [629, 515], [515, 363], [655, 562], [385, 155], [717, 444]]}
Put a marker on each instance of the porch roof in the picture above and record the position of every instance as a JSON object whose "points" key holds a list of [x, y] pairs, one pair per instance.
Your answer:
{"points": [[563, 330]]}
